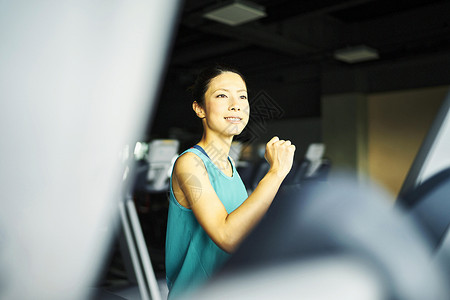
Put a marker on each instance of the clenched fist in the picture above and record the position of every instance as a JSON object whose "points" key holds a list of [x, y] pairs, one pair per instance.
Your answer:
{"points": [[280, 155]]}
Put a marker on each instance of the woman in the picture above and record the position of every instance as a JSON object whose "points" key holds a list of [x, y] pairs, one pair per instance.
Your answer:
{"points": [[210, 212]]}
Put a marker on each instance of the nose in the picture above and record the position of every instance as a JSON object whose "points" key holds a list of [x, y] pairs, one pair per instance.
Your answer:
{"points": [[234, 104]]}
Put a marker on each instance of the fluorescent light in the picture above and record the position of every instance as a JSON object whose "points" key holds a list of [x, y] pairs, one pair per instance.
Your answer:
{"points": [[356, 54], [236, 12]]}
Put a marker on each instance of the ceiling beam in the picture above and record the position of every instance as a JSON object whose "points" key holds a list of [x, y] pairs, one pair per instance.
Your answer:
{"points": [[298, 9], [260, 36], [408, 26], [202, 51]]}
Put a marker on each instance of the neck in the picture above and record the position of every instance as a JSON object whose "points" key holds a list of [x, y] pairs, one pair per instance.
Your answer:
{"points": [[217, 148]]}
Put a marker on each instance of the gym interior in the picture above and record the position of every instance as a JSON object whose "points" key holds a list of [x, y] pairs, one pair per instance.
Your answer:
{"points": [[95, 109]]}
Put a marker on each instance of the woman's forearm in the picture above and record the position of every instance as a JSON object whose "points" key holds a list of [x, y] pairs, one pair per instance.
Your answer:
{"points": [[242, 220]]}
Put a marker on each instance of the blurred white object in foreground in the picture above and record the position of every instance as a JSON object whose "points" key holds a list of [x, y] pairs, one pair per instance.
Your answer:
{"points": [[77, 82], [342, 277]]}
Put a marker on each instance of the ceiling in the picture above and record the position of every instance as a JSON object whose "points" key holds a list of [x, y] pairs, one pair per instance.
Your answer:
{"points": [[288, 52], [310, 31]]}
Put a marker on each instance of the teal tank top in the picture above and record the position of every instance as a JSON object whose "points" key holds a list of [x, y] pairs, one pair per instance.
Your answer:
{"points": [[191, 256]]}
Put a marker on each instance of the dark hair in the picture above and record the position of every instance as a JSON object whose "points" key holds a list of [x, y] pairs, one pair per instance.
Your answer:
{"points": [[201, 84]]}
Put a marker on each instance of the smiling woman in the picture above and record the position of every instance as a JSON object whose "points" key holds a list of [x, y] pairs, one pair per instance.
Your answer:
{"points": [[210, 212], [224, 109]]}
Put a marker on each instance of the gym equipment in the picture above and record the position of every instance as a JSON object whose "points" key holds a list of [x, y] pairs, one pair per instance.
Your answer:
{"points": [[429, 203], [425, 192], [154, 169]]}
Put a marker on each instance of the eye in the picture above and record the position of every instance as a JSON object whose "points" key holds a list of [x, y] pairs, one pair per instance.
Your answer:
{"points": [[221, 96], [244, 97]]}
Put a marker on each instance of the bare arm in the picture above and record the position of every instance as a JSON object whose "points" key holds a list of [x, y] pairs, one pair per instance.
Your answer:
{"points": [[228, 230]]}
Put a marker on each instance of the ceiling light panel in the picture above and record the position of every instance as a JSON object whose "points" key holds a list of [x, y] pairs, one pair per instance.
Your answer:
{"points": [[356, 54], [236, 13]]}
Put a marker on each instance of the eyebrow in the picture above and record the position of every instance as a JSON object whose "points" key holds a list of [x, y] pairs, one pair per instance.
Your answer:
{"points": [[226, 90]]}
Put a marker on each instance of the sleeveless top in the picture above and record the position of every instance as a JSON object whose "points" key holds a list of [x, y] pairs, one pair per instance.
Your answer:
{"points": [[191, 256]]}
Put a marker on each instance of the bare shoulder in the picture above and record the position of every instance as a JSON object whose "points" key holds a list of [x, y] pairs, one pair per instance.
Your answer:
{"points": [[190, 179], [189, 162], [188, 165]]}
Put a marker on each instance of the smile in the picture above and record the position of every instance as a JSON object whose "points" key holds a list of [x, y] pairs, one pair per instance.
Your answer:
{"points": [[233, 119]]}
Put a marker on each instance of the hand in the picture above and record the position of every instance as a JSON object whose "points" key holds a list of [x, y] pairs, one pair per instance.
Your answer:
{"points": [[280, 155]]}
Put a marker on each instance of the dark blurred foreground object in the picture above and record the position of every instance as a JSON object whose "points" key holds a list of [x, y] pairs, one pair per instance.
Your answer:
{"points": [[333, 240]]}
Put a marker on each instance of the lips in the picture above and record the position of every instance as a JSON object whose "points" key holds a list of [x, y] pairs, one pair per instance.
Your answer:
{"points": [[233, 119]]}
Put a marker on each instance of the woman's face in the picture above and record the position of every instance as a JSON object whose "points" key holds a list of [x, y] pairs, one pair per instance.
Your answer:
{"points": [[226, 107]]}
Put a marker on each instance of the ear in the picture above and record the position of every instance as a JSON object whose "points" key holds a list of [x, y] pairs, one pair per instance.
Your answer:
{"points": [[199, 111]]}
